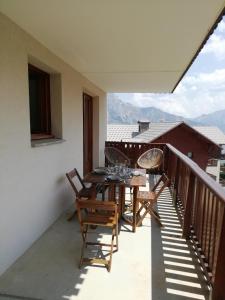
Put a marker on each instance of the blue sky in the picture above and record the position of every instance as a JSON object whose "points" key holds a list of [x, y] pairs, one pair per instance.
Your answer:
{"points": [[201, 91]]}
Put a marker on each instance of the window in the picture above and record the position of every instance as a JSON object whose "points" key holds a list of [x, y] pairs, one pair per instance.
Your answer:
{"points": [[39, 98], [190, 154]]}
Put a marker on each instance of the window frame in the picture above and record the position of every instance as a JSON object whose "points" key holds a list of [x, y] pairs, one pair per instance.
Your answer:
{"points": [[44, 103], [190, 154]]}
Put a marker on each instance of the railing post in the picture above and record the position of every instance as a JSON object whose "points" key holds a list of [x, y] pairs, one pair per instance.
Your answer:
{"points": [[218, 291], [166, 152], [176, 181], [189, 204]]}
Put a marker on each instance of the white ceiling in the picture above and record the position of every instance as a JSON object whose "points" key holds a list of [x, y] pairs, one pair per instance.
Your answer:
{"points": [[120, 45]]}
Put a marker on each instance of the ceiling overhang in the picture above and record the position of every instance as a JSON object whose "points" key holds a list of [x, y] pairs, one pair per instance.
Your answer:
{"points": [[121, 46]]}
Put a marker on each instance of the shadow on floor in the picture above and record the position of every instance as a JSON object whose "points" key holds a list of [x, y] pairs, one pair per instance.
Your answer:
{"points": [[49, 267], [176, 271]]}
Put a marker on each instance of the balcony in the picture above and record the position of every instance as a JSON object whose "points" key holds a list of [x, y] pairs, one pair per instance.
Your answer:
{"points": [[184, 259]]}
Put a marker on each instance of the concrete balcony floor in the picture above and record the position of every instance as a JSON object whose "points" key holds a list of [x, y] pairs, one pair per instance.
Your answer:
{"points": [[152, 263]]}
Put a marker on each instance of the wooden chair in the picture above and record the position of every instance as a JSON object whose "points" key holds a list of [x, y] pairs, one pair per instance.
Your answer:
{"points": [[102, 214], [79, 188], [148, 199]]}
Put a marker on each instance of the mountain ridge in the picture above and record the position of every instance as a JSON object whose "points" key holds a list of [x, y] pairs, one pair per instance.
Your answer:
{"points": [[120, 112]]}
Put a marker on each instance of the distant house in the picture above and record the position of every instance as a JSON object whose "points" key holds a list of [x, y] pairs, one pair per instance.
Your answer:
{"points": [[214, 134], [190, 141], [120, 132]]}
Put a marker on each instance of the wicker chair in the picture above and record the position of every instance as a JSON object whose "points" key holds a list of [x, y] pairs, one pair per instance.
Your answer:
{"points": [[115, 156], [151, 159]]}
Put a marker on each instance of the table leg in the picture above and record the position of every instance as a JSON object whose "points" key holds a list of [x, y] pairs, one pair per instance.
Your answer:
{"points": [[135, 208], [112, 192], [121, 200]]}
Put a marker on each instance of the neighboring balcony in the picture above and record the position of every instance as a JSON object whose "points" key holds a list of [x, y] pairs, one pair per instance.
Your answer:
{"points": [[183, 260]]}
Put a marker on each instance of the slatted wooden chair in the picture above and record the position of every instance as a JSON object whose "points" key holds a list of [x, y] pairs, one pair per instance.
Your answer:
{"points": [[79, 188], [102, 214], [148, 199]]}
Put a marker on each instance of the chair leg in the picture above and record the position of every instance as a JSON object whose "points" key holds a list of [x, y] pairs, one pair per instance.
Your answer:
{"points": [[148, 209], [84, 230], [139, 221], [111, 250], [84, 237], [139, 217], [155, 212], [117, 239], [140, 209], [155, 215], [103, 193]]}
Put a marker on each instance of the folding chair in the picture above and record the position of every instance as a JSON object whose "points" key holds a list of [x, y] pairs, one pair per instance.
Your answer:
{"points": [[79, 187], [148, 199], [101, 214]]}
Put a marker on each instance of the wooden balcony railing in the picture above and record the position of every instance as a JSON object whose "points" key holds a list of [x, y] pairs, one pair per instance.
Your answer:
{"points": [[202, 203]]}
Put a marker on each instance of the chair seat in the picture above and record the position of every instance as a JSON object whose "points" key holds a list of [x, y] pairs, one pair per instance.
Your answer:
{"points": [[100, 219], [146, 195], [87, 192]]}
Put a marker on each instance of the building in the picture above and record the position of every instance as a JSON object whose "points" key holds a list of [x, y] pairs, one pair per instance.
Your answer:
{"points": [[190, 141], [214, 134]]}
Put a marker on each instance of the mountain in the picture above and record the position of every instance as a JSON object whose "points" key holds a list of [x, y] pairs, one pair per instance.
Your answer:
{"points": [[125, 113], [214, 119]]}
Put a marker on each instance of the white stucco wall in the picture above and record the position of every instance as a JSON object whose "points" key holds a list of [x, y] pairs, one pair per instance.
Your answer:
{"points": [[33, 187], [214, 170]]}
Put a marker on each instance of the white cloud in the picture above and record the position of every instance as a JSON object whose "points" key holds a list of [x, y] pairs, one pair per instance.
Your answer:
{"points": [[215, 46], [221, 27], [195, 95], [206, 80]]}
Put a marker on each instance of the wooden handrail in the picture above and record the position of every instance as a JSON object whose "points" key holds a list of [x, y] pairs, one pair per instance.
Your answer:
{"points": [[202, 175], [203, 207]]}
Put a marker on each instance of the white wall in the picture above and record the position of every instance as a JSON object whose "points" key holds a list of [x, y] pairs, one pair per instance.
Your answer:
{"points": [[214, 170], [33, 188]]}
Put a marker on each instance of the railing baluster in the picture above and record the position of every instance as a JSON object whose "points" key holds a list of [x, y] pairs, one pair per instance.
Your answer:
{"points": [[214, 234], [176, 183], [202, 216], [210, 237], [188, 208], [218, 292], [197, 205], [204, 246]]}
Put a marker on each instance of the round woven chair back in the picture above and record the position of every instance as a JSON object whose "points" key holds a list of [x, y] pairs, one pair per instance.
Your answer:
{"points": [[115, 156], [151, 159]]}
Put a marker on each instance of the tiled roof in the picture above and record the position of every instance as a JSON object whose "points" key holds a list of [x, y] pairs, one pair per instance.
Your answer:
{"points": [[154, 131], [118, 132], [213, 133], [121, 132]]}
